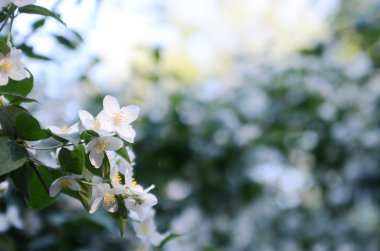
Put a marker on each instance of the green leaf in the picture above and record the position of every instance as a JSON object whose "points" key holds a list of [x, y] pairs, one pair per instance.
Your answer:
{"points": [[29, 51], [88, 135], [72, 161], [124, 154], [4, 48], [106, 167], [38, 10], [66, 42], [22, 87], [8, 116], [39, 197], [38, 24], [28, 128], [21, 178], [17, 98], [168, 238], [121, 215], [84, 195], [12, 156]]}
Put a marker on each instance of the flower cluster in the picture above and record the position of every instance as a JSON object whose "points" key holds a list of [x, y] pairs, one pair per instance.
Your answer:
{"points": [[111, 172]]}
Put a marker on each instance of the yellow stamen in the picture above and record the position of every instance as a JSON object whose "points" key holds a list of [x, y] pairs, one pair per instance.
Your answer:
{"points": [[134, 183], [145, 229], [102, 146], [109, 200], [117, 118], [117, 178], [96, 124], [6, 66], [65, 184], [64, 130]]}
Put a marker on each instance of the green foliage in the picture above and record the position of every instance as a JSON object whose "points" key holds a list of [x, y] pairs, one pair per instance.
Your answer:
{"points": [[38, 10], [22, 87], [28, 128], [8, 115], [72, 161], [12, 156], [38, 195]]}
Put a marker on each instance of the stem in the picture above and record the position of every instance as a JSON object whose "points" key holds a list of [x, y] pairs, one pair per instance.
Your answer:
{"points": [[88, 183], [6, 19], [10, 29], [40, 177]]}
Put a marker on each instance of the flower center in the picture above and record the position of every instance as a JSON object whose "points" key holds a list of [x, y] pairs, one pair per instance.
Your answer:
{"points": [[96, 124], [109, 200], [117, 118], [134, 183], [102, 146], [6, 66], [64, 130], [145, 229], [65, 184], [117, 178]]}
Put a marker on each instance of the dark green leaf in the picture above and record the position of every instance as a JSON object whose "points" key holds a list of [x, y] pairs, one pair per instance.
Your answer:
{"points": [[84, 195], [38, 10], [39, 198], [21, 178], [12, 156], [121, 215], [4, 48], [66, 42], [22, 87], [38, 24], [28, 128], [71, 161], [17, 98], [124, 153], [8, 116]]}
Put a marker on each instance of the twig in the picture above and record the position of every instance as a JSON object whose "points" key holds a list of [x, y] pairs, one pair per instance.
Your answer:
{"points": [[40, 177]]}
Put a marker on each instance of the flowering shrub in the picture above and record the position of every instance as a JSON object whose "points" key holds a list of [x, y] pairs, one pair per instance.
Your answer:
{"points": [[92, 162]]}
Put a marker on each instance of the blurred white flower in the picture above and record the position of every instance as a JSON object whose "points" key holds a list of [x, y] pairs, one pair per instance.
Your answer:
{"points": [[64, 130], [10, 218], [146, 230], [3, 187], [140, 201]]}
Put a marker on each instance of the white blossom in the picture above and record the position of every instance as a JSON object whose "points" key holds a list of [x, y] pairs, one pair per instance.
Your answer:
{"points": [[64, 182], [146, 230], [64, 130], [12, 67], [106, 197], [98, 146], [120, 118], [99, 124]]}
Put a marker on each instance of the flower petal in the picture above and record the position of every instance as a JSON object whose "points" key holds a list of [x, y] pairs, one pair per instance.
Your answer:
{"points": [[127, 133], [95, 204], [96, 159], [110, 105], [55, 187], [74, 185], [114, 143], [87, 119], [130, 113]]}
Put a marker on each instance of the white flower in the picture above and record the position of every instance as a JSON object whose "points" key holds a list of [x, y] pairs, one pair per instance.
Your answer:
{"points": [[12, 67], [98, 146], [3, 187], [120, 118], [140, 201], [63, 182], [106, 196], [116, 178], [64, 130], [99, 124], [146, 230], [10, 218]]}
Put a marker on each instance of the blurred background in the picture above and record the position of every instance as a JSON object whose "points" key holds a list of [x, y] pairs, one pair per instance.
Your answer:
{"points": [[259, 125]]}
